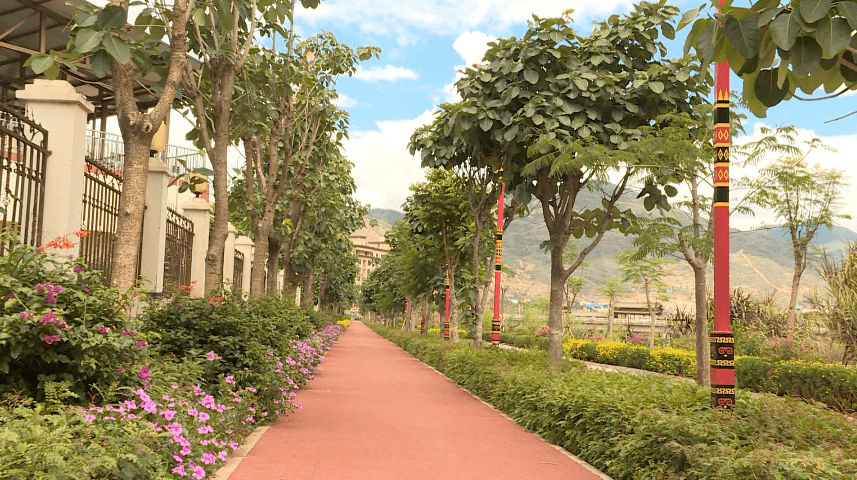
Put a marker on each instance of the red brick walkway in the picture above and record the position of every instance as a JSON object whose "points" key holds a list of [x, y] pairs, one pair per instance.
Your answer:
{"points": [[375, 412]]}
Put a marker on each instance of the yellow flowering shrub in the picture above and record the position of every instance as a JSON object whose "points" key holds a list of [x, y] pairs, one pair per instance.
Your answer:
{"points": [[672, 361], [345, 322]]}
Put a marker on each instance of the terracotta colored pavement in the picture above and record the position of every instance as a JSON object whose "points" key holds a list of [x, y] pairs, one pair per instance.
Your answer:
{"points": [[375, 412]]}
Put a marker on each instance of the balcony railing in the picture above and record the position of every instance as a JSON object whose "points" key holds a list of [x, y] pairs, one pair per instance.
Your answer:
{"points": [[108, 150]]}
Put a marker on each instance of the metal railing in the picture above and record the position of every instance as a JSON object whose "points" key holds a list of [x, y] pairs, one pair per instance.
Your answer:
{"points": [[23, 155], [238, 272], [178, 254], [108, 150]]}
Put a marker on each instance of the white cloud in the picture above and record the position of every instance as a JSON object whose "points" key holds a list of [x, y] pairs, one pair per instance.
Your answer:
{"points": [[344, 101], [383, 167], [472, 46], [389, 73], [451, 17]]}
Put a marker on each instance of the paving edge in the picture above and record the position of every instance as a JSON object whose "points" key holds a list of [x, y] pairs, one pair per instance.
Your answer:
{"points": [[565, 452], [225, 471]]}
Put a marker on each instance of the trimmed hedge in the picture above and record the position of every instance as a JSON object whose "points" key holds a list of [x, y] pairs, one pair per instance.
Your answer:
{"points": [[647, 427], [830, 384]]}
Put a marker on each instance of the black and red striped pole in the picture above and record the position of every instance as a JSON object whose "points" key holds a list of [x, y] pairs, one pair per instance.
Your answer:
{"points": [[722, 340], [446, 312], [498, 263]]}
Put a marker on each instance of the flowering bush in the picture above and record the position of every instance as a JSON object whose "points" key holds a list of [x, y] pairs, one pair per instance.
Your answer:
{"points": [[784, 349], [59, 322], [639, 339], [344, 323], [543, 331]]}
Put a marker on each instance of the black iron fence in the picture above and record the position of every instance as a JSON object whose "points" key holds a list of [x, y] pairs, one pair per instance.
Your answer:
{"points": [[23, 154], [238, 272], [178, 254]]}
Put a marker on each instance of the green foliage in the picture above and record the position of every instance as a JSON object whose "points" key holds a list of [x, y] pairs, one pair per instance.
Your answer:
{"points": [[648, 427], [832, 385], [59, 322], [779, 47], [840, 303], [52, 441], [242, 333]]}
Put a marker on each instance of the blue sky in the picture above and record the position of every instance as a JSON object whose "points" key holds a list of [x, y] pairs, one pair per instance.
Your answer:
{"points": [[423, 45]]}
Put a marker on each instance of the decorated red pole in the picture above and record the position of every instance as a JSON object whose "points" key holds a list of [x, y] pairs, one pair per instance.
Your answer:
{"points": [[446, 311], [495, 322], [722, 339]]}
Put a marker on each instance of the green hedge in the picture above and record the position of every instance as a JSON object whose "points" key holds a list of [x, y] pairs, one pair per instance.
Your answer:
{"points": [[833, 385], [647, 427]]}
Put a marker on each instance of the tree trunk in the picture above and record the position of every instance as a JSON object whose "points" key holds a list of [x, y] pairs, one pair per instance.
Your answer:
{"points": [[651, 316], [453, 307], [790, 321], [322, 291], [132, 202], [260, 255], [610, 320], [308, 291], [220, 229], [274, 245], [703, 349], [558, 278]]}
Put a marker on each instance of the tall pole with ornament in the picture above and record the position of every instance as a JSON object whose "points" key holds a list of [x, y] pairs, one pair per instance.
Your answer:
{"points": [[498, 263], [446, 310], [722, 340]]}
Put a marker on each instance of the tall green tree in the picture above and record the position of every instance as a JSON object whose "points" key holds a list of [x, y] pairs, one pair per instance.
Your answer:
{"points": [[570, 108], [648, 271], [611, 289], [101, 36], [804, 198], [438, 210]]}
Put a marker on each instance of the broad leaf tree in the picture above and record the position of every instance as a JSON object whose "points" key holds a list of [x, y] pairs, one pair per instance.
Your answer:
{"points": [[779, 47], [439, 212], [569, 109], [100, 35]]}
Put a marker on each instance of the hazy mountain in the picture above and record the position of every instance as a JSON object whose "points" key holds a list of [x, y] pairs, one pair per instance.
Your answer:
{"points": [[760, 260]]}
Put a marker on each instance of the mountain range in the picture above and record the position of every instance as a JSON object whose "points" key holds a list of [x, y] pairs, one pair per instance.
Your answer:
{"points": [[761, 260]]}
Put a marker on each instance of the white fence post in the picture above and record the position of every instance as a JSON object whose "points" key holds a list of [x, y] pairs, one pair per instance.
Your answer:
{"points": [[198, 210], [245, 245], [229, 257], [61, 110], [155, 226]]}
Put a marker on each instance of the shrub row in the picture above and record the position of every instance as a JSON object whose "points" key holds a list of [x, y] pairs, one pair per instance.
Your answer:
{"points": [[648, 427], [833, 385]]}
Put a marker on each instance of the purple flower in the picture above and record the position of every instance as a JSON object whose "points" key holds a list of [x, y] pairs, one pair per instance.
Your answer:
{"points": [[86, 288], [102, 329], [48, 318], [77, 269], [50, 297], [40, 287], [26, 315]]}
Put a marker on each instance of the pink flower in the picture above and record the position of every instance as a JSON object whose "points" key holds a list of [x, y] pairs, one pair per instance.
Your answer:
{"points": [[222, 455], [102, 329], [211, 356], [180, 471], [26, 315], [203, 416], [208, 458], [48, 318], [234, 445], [205, 429], [90, 417], [49, 339], [192, 412], [185, 450], [230, 379], [86, 288], [168, 414], [141, 344], [174, 428], [251, 389], [149, 406], [119, 369], [198, 472], [178, 458]]}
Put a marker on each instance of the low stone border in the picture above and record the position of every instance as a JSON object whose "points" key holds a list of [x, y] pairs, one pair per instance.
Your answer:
{"points": [[225, 471]]}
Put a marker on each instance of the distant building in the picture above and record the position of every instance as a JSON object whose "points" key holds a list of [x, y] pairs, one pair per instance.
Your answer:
{"points": [[369, 251]]}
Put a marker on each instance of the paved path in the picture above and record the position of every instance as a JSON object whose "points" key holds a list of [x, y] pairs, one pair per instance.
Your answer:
{"points": [[375, 412]]}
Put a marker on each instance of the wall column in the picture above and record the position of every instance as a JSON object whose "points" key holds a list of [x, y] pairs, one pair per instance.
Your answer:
{"points": [[61, 110], [198, 210], [245, 245], [229, 257], [155, 226]]}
